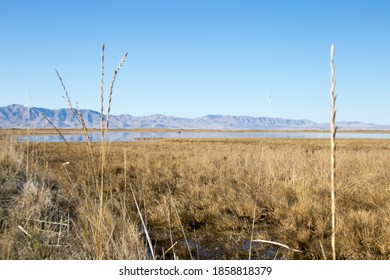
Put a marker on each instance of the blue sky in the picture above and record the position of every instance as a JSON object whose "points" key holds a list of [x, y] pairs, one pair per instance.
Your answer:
{"points": [[196, 57]]}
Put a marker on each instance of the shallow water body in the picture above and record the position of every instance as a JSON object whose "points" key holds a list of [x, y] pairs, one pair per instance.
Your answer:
{"points": [[130, 136]]}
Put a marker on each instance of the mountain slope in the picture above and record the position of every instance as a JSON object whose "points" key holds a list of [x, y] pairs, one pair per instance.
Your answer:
{"points": [[18, 116]]}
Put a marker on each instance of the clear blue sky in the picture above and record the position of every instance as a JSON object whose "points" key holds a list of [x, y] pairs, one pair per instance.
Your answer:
{"points": [[196, 57]]}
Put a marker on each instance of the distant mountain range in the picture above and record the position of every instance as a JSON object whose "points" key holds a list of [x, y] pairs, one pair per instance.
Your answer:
{"points": [[18, 116]]}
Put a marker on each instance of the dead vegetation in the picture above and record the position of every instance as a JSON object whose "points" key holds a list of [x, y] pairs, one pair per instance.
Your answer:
{"points": [[196, 199]]}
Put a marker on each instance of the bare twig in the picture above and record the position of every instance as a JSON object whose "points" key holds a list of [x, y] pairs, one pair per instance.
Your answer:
{"points": [[276, 243], [24, 231]]}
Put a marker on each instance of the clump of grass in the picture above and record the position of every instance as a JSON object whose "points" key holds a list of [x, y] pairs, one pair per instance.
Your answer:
{"points": [[97, 209], [34, 218]]}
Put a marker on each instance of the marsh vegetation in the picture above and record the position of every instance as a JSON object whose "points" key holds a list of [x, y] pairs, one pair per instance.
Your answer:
{"points": [[198, 199]]}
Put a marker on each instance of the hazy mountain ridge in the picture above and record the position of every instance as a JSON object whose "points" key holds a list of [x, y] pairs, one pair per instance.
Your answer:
{"points": [[17, 116]]}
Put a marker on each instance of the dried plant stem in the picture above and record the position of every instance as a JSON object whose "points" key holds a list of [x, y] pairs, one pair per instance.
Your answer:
{"points": [[181, 224], [143, 224], [28, 142], [87, 140], [102, 148], [170, 233], [24, 231], [170, 248], [102, 153], [104, 130], [258, 179], [277, 243], [99, 230], [333, 150], [78, 117], [58, 131], [125, 181], [67, 99], [111, 90], [322, 249], [102, 94]]}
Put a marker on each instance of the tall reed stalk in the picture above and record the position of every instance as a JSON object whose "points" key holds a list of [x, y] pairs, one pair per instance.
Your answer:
{"points": [[104, 128], [28, 142], [258, 178], [97, 228], [333, 129], [102, 149]]}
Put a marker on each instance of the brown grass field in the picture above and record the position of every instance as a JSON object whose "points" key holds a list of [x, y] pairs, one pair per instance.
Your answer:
{"points": [[196, 199]]}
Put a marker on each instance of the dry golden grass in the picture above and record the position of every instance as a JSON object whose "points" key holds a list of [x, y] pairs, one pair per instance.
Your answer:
{"points": [[47, 215], [197, 197]]}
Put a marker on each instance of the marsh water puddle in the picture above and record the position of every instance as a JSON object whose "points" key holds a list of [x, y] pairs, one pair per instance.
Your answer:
{"points": [[215, 247], [129, 136], [208, 244]]}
